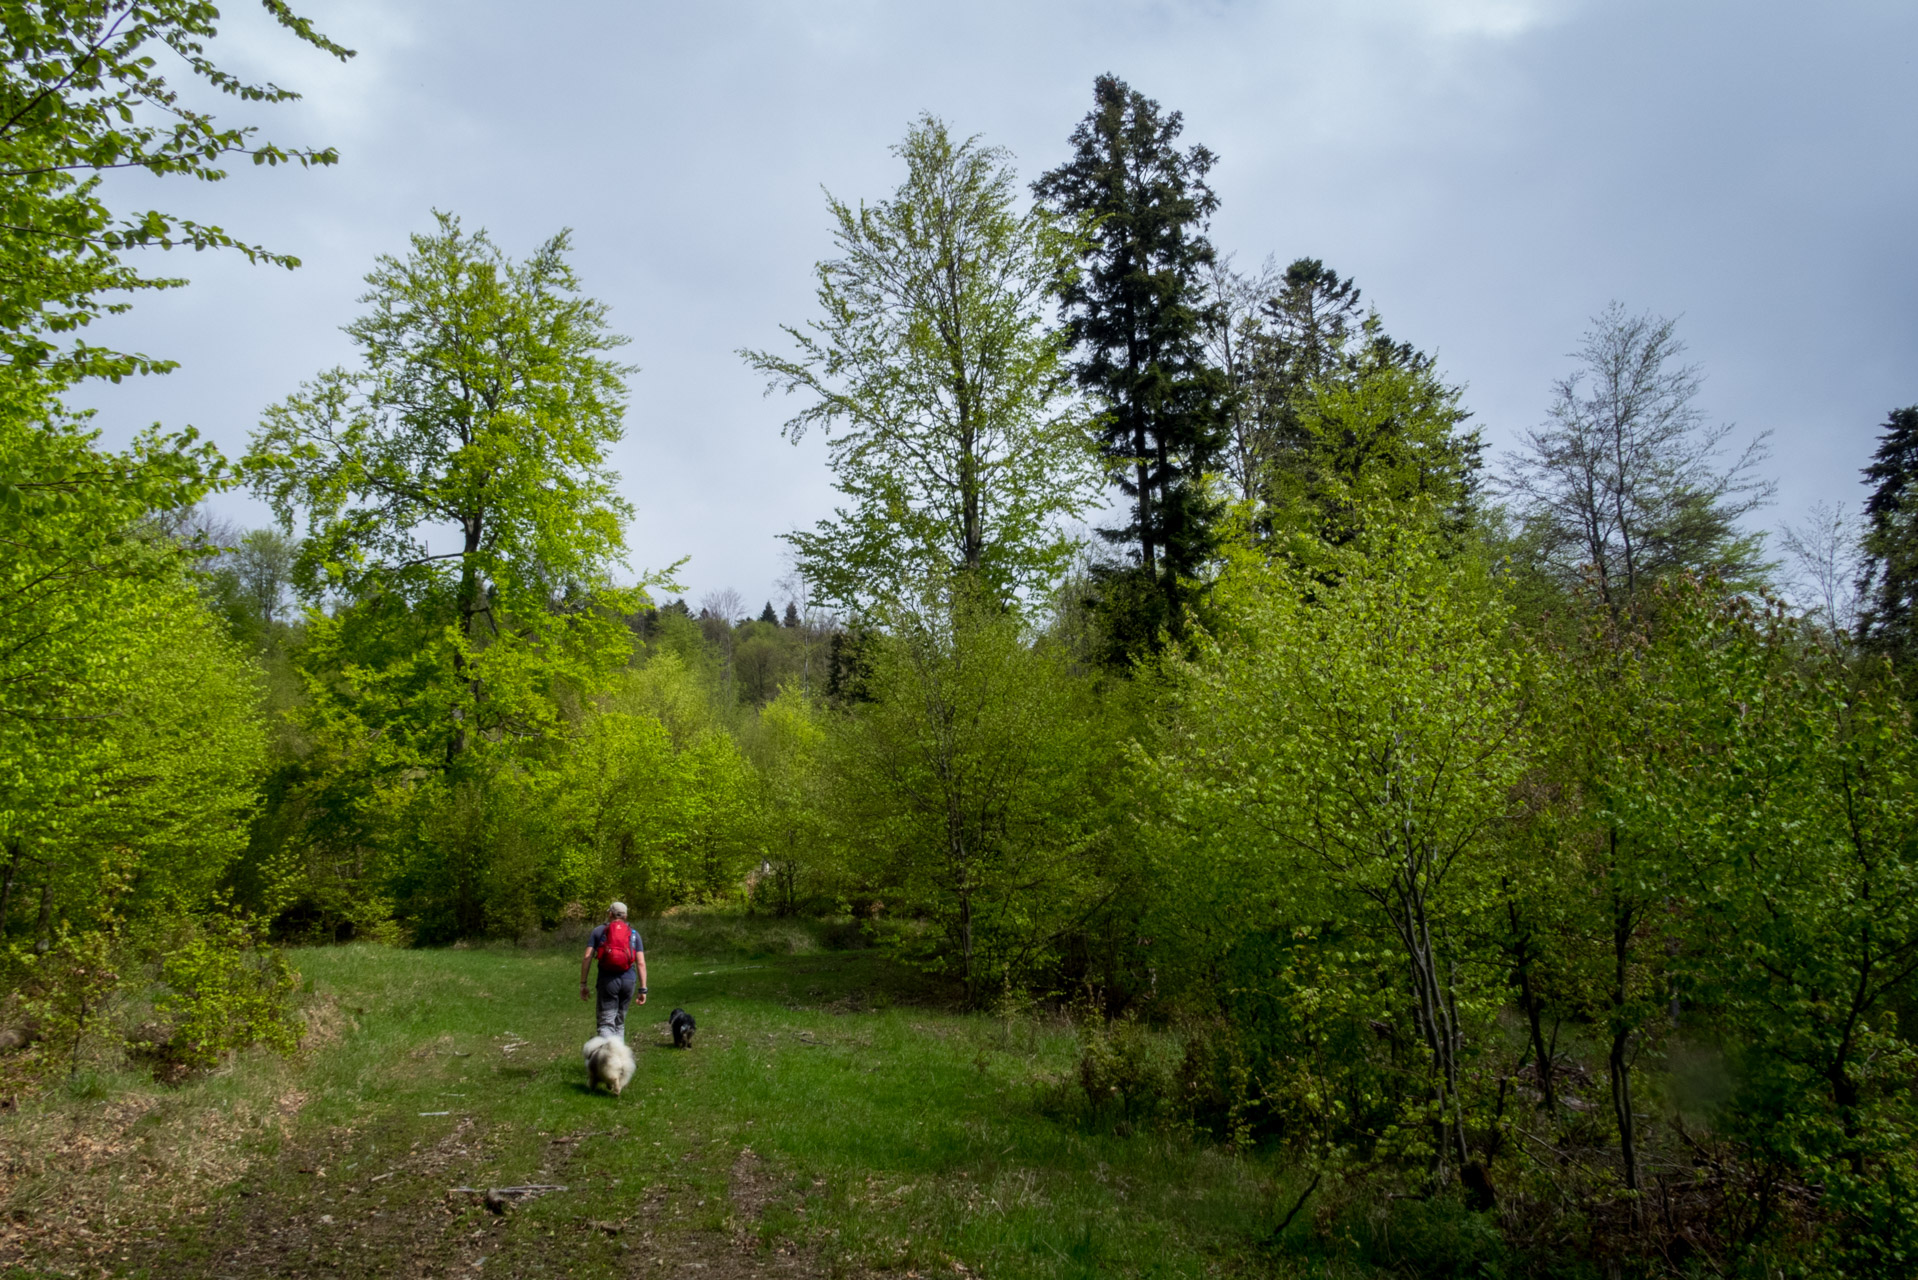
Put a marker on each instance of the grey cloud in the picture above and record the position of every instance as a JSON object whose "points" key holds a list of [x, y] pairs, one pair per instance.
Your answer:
{"points": [[1492, 171]]}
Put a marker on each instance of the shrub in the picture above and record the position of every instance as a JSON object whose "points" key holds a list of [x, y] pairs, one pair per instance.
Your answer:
{"points": [[225, 989]]}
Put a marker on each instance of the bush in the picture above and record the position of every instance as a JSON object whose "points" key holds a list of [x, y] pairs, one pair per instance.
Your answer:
{"points": [[1123, 1072], [225, 989]]}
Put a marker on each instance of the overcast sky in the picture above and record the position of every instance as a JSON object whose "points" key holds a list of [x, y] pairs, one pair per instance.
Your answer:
{"points": [[1492, 172]]}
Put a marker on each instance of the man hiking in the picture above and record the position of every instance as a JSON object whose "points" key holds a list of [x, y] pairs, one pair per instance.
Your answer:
{"points": [[622, 970]]}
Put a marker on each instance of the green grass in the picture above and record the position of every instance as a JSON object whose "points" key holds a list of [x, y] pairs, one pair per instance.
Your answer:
{"points": [[834, 1117]]}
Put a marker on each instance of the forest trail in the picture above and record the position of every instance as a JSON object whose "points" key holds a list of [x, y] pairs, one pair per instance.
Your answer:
{"points": [[832, 1119]]}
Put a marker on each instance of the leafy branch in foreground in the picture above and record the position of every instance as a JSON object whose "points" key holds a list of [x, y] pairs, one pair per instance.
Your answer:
{"points": [[82, 93]]}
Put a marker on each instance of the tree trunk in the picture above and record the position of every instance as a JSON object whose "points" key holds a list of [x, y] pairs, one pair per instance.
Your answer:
{"points": [[43, 928], [1523, 960], [472, 527], [6, 886], [1617, 1060], [965, 934], [1435, 1014]]}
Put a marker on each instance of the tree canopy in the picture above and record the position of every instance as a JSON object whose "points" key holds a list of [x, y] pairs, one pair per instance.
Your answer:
{"points": [[942, 388]]}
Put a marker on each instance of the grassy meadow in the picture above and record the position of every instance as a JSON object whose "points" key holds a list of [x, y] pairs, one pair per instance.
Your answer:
{"points": [[834, 1118]]}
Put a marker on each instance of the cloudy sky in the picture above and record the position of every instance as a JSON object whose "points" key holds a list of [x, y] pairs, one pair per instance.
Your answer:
{"points": [[1492, 172]]}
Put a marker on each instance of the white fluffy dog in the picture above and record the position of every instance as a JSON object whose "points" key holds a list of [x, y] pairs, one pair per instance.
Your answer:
{"points": [[608, 1062]]}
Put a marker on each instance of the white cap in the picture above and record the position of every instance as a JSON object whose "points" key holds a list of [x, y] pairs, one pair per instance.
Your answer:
{"points": [[619, 909]]}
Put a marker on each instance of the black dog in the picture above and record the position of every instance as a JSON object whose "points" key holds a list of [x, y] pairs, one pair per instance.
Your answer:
{"points": [[683, 1028]]}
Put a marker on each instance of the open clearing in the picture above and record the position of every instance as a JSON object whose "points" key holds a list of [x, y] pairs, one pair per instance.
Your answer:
{"points": [[832, 1119]]}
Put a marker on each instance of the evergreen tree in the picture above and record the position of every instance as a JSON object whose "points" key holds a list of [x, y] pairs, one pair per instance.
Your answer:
{"points": [[767, 614], [1889, 585], [1138, 314], [792, 615], [1341, 417]]}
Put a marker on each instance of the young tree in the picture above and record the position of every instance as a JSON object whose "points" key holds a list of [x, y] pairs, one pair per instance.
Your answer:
{"points": [[941, 387], [967, 783], [1625, 480], [1138, 315], [1889, 583], [483, 408], [1360, 740]]}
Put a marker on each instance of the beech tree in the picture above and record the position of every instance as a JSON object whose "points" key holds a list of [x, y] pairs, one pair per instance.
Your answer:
{"points": [[1359, 740], [967, 784], [455, 486], [1626, 480], [941, 388], [129, 728]]}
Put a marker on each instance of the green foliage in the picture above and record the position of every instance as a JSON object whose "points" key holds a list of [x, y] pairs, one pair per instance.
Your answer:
{"points": [[140, 768], [1890, 580], [1331, 418], [485, 400], [1360, 741], [66, 989], [81, 93], [225, 990], [1379, 432], [958, 446], [130, 739], [967, 787], [788, 747]]}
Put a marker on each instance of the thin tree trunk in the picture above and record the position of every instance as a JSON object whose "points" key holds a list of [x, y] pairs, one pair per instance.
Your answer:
{"points": [[6, 886], [469, 606], [1618, 1060], [43, 928], [1523, 959]]}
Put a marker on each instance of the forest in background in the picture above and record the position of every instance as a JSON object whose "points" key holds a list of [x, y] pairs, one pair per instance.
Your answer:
{"points": [[1498, 837]]}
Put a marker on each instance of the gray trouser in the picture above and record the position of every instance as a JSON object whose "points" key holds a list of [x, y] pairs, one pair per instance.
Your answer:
{"points": [[615, 993]]}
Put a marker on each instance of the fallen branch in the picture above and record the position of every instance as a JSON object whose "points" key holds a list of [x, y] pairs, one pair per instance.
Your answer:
{"points": [[1298, 1204]]}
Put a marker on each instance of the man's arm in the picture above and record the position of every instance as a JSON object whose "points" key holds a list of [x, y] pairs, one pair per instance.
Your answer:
{"points": [[640, 995], [585, 964]]}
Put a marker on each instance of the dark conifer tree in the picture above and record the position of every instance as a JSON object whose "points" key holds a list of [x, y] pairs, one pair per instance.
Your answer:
{"points": [[767, 614], [1338, 406], [1889, 587], [1138, 312], [1313, 314], [792, 614]]}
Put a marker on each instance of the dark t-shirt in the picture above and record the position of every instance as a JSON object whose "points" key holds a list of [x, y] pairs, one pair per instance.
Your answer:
{"points": [[599, 940]]}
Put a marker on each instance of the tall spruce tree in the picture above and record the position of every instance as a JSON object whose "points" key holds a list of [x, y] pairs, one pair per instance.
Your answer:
{"points": [[1889, 585], [1138, 316]]}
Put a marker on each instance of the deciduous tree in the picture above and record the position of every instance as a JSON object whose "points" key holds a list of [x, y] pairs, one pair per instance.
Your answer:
{"points": [[455, 484], [1625, 480], [941, 387]]}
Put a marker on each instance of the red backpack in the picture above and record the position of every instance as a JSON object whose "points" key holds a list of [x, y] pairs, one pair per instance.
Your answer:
{"points": [[617, 951]]}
